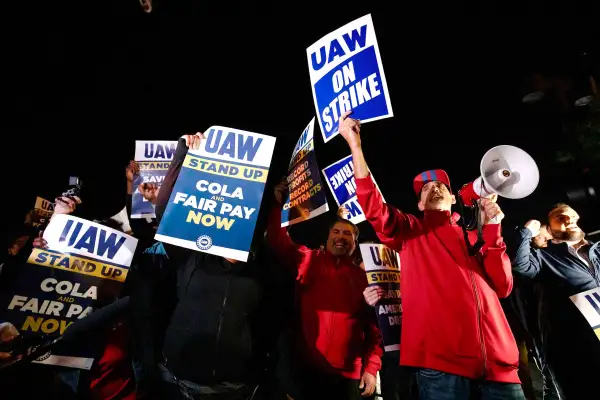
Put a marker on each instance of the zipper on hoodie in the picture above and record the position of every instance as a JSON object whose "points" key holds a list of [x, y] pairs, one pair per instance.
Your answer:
{"points": [[218, 336], [332, 317], [480, 329]]}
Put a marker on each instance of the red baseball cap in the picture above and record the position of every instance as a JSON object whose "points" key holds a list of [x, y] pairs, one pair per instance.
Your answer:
{"points": [[429, 176]]}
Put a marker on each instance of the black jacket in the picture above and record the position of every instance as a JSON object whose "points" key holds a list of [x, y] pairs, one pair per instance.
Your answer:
{"points": [[555, 266], [567, 335], [208, 317]]}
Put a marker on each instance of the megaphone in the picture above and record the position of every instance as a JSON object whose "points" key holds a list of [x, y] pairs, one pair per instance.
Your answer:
{"points": [[506, 171]]}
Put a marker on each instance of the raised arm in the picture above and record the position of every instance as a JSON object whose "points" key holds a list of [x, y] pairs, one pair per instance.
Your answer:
{"points": [[277, 237], [160, 198], [525, 260], [392, 226], [164, 194], [495, 260]]}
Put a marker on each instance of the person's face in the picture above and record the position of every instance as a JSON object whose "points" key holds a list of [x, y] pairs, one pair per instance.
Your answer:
{"points": [[436, 196], [341, 240], [541, 240], [563, 225]]}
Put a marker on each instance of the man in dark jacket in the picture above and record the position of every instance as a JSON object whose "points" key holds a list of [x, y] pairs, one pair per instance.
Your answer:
{"points": [[567, 266], [453, 326], [217, 330]]}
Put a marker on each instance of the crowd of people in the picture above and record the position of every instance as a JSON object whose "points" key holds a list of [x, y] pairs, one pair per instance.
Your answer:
{"points": [[298, 323]]}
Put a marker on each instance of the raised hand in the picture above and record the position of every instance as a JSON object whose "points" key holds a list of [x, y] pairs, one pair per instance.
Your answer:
{"points": [[66, 205], [281, 190], [350, 129], [534, 226], [193, 141], [149, 191], [132, 169], [491, 210]]}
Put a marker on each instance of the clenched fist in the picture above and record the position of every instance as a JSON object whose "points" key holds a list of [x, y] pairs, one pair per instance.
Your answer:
{"points": [[149, 191], [534, 226], [281, 190], [350, 129]]}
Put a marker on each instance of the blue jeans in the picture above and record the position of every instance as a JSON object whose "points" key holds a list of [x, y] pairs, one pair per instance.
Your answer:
{"points": [[436, 385]]}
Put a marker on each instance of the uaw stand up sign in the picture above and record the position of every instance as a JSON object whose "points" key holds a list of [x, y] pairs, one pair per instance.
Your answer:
{"points": [[214, 205], [382, 266], [154, 158], [83, 268]]}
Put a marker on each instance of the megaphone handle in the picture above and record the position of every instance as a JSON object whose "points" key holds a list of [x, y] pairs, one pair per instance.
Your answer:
{"points": [[493, 220]]}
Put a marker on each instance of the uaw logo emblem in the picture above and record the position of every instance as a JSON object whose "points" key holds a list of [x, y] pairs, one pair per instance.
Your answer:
{"points": [[44, 356], [204, 242]]}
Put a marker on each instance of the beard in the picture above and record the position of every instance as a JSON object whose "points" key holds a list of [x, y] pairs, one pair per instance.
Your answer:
{"points": [[340, 247], [569, 236]]}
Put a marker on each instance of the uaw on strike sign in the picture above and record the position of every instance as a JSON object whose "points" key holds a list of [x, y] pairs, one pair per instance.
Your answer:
{"points": [[341, 181], [346, 73], [83, 268]]}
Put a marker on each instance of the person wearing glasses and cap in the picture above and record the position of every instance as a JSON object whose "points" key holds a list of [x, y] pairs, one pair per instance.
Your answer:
{"points": [[454, 331]]}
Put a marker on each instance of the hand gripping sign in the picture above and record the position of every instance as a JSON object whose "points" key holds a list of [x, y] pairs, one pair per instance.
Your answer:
{"points": [[214, 205], [346, 73]]}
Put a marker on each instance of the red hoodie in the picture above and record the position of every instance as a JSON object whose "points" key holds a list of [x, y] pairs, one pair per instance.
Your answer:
{"points": [[112, 376], [452, 320], [339, 331]]}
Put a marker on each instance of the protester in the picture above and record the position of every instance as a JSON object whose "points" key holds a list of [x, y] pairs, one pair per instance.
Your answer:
{"points": [[111, 375], [397, 381], [337, 353], [454, 329], [143, 229], [206, 314], [568, 265]]}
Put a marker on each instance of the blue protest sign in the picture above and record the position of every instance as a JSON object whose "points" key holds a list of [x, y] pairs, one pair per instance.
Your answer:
{"points": [[340, 178], [83, 268], [214, 205], [154, 158], [346, 73], [306, 198], [382, 266]]}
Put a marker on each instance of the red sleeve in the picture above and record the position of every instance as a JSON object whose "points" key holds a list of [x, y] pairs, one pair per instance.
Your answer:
{"points": [[280, 242], [392, 226], [373, 350], [495, 260]]}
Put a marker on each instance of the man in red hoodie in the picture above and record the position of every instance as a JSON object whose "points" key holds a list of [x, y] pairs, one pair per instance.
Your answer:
{"points": [[337, 344], [454, 330]]}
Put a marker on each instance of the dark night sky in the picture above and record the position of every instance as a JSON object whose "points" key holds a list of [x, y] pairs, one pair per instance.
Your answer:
{"points": [[80, 86]]}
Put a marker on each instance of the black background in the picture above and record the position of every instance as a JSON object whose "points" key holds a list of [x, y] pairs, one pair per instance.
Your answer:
{"points": [[82, 81]]}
